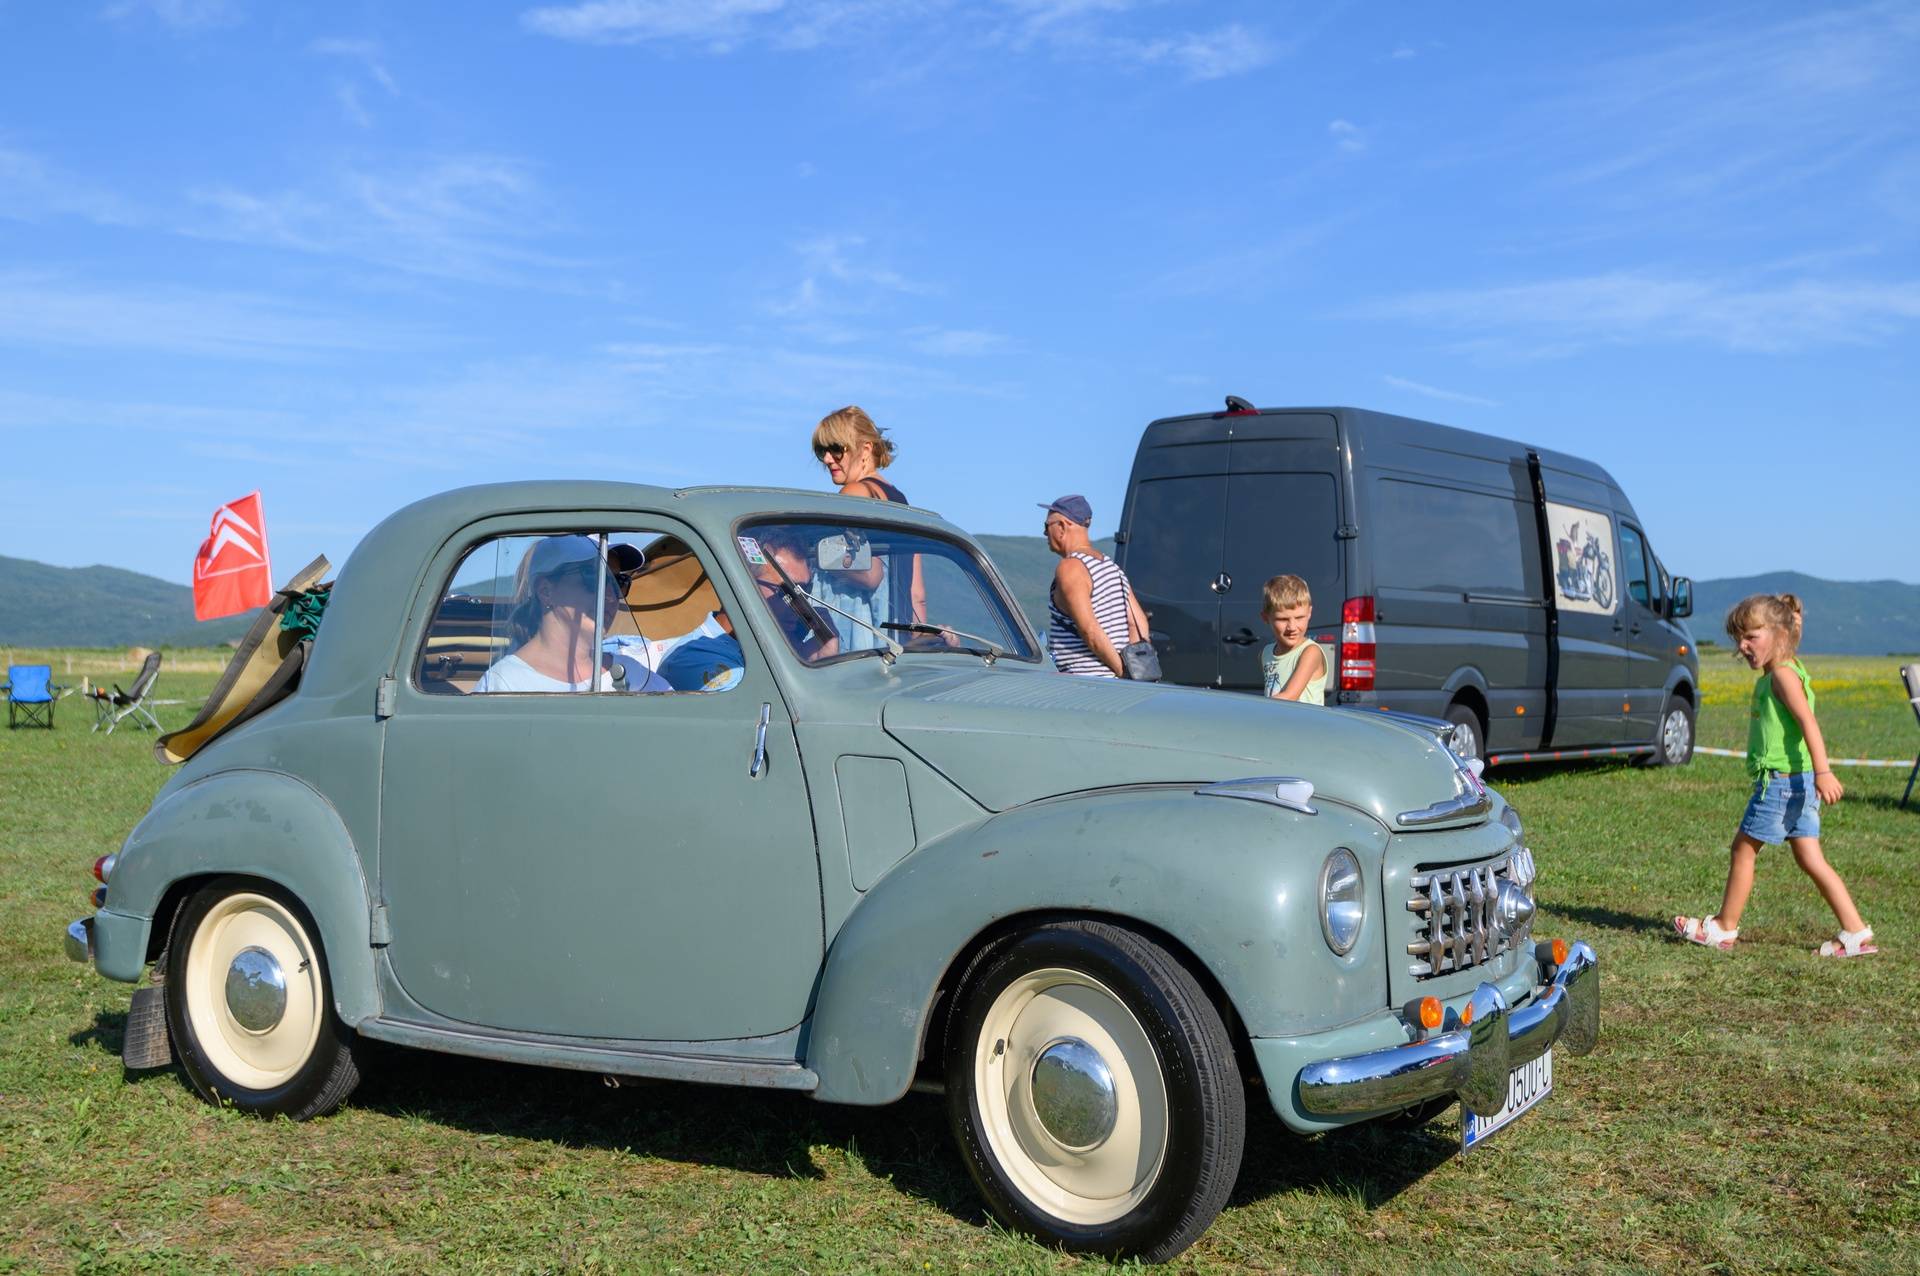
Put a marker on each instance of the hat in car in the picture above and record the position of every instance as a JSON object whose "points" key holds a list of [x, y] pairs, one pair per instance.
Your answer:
{"points": [[552, 553], [1074, 507]]}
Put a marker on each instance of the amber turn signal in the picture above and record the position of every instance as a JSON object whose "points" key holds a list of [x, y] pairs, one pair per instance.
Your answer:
{"points": [[1466, 1016], [1430, 1012], [1559, 952]]}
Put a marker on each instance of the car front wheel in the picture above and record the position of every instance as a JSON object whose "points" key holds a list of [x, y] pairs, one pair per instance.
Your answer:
{"points": [[1092, 1088], [248, 1005]]}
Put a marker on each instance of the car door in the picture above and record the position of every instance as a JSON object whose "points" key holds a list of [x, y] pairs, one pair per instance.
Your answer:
{"points": [[590, 863], [1277, 523], [1650, 652]]}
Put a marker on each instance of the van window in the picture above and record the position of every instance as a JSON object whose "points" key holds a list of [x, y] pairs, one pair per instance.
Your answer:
{"points": [[1446, 538], [1284, 523], [1173, 538], [1633, 559]]}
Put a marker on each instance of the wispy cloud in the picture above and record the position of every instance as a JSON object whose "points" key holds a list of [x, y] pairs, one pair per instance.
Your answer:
{"points": [[1435, 392], [178, 13], [1348, 136], [469, 217], [719, 23], [31, 189], [839, 275], [40, 310], [367, 53], [956, 342], [1563, 315], [1079, 29]]}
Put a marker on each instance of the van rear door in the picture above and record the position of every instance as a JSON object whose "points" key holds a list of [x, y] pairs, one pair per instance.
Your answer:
{"points": [[1170, 544], [1283, 517]]}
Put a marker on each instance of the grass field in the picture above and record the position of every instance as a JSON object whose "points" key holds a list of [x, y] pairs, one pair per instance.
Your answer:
{"points": [[1748, 1112]]}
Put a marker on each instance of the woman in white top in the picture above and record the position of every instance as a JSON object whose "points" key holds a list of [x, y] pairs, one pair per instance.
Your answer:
{"points": [[555, 632]]}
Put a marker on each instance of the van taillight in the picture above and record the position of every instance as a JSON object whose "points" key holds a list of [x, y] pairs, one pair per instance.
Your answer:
{"points": [[1356, 645]]}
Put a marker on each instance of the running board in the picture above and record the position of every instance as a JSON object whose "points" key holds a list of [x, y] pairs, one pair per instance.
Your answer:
{"points": [[1563, 755], [609, 1058]]}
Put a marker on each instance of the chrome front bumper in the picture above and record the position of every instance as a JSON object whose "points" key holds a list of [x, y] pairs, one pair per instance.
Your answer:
{"points": [[1473, 1062], [79, 940]]}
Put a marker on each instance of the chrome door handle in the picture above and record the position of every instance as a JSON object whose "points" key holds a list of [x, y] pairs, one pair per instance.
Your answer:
{"points": [[758, 767], [1245, 638]]}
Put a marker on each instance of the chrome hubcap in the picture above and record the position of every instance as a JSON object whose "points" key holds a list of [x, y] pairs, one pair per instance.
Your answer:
{"points": [[1675, 735], [256, 990], [1073, 1094]]}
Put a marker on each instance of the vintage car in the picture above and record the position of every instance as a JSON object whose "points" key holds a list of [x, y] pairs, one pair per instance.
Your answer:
{"points": [[768, 817]]}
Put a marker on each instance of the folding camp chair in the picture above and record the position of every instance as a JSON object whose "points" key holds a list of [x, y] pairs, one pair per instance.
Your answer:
{"points": [[30, 696], [109, 707], [1910, 674]]}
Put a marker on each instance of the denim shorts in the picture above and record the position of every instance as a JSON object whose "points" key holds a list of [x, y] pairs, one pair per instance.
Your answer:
{"points": [[1782, 806]]}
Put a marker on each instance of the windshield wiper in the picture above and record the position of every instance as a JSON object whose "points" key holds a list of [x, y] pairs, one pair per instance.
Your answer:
{"points": [[990, 653], [803, 603], [891, 650]]}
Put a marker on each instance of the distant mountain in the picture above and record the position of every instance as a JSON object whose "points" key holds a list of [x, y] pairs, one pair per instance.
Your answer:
{"points": [[1843, 617], [42, 606]]}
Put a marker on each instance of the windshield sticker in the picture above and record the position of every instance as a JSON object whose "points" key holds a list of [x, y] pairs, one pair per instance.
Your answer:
{"points": [[751, 548], [1582, 559]]}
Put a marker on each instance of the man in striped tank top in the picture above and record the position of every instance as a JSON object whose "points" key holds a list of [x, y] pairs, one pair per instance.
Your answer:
{"points": [[1091, 612]]}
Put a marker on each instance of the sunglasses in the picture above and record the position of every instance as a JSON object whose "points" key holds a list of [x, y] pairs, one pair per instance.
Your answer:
{"points": [[588, 572], [821, 451]]}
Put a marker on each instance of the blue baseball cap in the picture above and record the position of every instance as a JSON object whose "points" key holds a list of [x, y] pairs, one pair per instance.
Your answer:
{"points": [[1074, 507]]}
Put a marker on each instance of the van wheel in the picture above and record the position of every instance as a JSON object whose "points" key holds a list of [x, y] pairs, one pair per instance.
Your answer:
{"points": [[1674, 745], [1469, 733], [249, 1007], [1093, 1091]]}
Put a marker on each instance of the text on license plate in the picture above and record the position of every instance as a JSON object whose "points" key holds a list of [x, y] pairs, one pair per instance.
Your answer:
{"points": [[1528, 1084]]}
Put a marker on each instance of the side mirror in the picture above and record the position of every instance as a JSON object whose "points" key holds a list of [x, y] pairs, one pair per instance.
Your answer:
{"points": [[1682, 602], [849, 553]]}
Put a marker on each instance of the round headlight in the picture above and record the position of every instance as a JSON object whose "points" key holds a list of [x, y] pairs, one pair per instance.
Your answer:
{"points": [[1343, 901]]}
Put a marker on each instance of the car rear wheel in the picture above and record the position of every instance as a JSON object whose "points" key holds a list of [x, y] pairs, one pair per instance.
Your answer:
{"points": [[1093, 1092], [248, 1004]]}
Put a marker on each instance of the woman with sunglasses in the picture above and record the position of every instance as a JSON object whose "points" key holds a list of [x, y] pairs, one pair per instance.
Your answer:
{"points": [[555, 629], [855, 450]]}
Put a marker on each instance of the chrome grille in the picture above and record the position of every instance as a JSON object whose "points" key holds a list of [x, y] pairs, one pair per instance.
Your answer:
{"points": [[1453, 912]]}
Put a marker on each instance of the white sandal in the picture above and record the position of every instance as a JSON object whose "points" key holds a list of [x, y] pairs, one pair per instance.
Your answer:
{"points": [[1850, 943], [1705, 931]]}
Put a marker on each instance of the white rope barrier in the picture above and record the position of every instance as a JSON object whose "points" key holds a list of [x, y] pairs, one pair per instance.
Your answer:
{"points": [[1741, 753]]}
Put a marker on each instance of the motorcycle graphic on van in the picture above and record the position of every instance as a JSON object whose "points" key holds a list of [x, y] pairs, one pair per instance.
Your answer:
{"points": [[1586, 574]]}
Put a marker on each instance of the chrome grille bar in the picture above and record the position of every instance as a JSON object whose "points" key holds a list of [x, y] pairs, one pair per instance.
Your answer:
{"points": [[1453, 916]]}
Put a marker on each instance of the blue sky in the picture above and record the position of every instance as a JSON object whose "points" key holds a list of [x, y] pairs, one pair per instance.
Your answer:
{"points": [[356, 253]]}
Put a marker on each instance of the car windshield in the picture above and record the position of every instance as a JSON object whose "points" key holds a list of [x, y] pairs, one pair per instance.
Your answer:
{"points": [[838, 590]]}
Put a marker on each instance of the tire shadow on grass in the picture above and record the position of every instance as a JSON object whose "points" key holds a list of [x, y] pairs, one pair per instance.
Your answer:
{"points": [[1371, 1163], [770, 1133]]}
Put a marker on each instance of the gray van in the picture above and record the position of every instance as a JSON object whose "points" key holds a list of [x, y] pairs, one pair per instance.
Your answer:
{"points": [[1507, 588]]}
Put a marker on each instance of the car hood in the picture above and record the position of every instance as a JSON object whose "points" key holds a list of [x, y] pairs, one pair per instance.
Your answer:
{"points": [[1008, 737]]}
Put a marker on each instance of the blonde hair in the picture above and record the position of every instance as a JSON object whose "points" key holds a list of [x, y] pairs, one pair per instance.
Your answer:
{"points": [[849, 427], [1768, 611], [1284, 593]]}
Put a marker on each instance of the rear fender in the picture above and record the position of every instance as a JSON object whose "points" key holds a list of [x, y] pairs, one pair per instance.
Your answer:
{"points": [[260, 824], [1234, 881]]}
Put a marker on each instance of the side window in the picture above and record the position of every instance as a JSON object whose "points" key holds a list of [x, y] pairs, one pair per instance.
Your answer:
{"points": [[1633, 562], [1444, 539], [579, 612]]}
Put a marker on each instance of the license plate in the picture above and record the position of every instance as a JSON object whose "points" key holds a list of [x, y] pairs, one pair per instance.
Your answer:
{"points": [[1528, 1084]]}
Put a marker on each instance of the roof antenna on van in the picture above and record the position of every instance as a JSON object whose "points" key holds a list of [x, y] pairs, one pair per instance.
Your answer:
{"points": [[1237, 406]]}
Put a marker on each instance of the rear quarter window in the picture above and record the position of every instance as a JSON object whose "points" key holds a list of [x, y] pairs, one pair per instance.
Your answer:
{"points": [[1429, 537]]}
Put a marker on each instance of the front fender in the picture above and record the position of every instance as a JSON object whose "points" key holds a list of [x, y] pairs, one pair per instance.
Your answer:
{"points": [[259, 824], [1235, 881]]}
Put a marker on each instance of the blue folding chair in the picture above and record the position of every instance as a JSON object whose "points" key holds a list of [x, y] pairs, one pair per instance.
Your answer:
{"points": [[30, 696]]}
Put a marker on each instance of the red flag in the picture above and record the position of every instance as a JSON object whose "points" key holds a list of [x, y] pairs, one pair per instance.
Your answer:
{"points": [[231, 573]]}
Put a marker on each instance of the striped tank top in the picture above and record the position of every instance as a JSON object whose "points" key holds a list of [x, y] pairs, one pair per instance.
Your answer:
{"points": [[1069, 650]]}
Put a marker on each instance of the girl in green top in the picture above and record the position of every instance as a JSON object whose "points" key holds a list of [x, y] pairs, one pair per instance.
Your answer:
{"points": [[1292, 665], [1787, 761]]}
